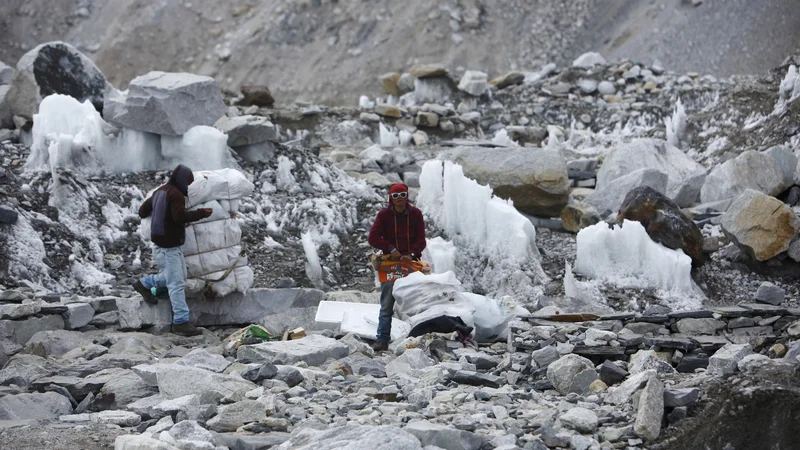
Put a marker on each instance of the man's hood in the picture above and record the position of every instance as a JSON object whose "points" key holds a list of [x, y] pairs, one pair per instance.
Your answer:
{"points": [[181, 178]]}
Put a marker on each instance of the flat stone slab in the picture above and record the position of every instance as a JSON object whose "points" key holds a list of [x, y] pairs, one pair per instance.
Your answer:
{"points": [[34, 406], [313, 350], [731, 311], [684, 344], [763, 308]]}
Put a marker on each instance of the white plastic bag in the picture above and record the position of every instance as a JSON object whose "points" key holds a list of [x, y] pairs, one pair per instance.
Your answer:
{"points": [[417, 293], [491, 317], [227, 184]]}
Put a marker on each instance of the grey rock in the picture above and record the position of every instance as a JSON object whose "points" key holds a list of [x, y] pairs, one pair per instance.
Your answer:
{"points": [[793, 354], [54, 68], [138, 442], [535, 179], [86, 352], [442, 436], [477, 379], [6, 121], [351, 437], [357, 345], [48, 405], [173, 406], [787, 162], [545, 356], [247, 130], [769, 293], [165, 103], [202, 359], [677, 414], [645, 360], [406, 83], [78, 315], [681, 397], [794, 250], [246, 441], [230, 417], [587, 86], [7, 350], [606, 88], [622, 394], [85, 368], [760, 225], [313, 350], [482, 360], [364, 365], [144, 407], [581, 420], [651, 410], [103, 304], [690, 326], [119, 391], [190, 430], [16, 312], [411, 362], [724, 361], [6, 73], [176, 381], [22, 370], [7, 215], [289, 375], [21, 331], [474, 82], [685, 176], [58, 342], [611, 373], [264, 371], [750, 170], [564, 372], [608, 199], [105, 319]]}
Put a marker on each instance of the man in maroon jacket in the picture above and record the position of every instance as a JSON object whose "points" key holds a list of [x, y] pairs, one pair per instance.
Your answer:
{"points": [[167, 206], [399, 230]]}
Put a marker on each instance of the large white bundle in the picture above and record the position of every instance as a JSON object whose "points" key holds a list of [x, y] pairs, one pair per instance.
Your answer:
{"points": [[227, 184], [240, 279], [214, 261], [417, 293], [204, 237]]}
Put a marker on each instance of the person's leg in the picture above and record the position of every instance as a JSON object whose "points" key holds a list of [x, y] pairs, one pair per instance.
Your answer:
{"points": [[175, 273], [144, 284], [387, 310]]}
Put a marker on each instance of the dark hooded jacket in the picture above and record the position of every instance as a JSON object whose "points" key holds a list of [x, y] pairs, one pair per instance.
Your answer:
{"points": [[167, 206]]}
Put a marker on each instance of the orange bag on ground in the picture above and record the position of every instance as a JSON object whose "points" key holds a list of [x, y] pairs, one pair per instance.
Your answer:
{"points": [[391, 269]]}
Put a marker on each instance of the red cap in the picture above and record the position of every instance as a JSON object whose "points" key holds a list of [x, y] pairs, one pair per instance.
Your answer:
{"points": [[398, 187]]}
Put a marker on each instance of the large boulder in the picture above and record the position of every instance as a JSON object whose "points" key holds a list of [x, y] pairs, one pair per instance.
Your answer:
{"points": [[750, 170], [246, 130], [230, 417], [535, 179], [313, 350], [664, 222], [176, 381], [165, 103], [122, 390], [609, 198], [48, 405], [22, 369], [762, 226], [787, 161], [6, 116], [58, 342], [55, 68], [686, 176]]}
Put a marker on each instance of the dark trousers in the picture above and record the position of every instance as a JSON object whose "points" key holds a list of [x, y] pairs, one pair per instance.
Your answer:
{"points": [[387, 310]]}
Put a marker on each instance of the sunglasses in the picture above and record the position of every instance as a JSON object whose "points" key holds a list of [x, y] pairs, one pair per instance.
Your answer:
{"points": [[400, 195]]}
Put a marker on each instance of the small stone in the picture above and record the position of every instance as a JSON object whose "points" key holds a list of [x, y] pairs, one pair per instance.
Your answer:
{"points": [[389, 83], [597, 385], [385, 110], [770, 293], [681, 397], [677, 414], [426, 119], [581, 420], [724, 361]]}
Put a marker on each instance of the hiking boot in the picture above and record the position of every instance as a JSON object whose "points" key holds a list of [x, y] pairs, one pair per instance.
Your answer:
{"points": [[145, 293], [186, 329], [380, 346]]}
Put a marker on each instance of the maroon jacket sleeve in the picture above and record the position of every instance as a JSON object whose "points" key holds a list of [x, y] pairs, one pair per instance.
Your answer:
{"points": [[419, 243], [376, 238], [177, 205], [147, 208]]}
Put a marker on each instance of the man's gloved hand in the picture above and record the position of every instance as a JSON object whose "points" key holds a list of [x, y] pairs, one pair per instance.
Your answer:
{"points": [[405, 259], [395, 254], [207, 212]]}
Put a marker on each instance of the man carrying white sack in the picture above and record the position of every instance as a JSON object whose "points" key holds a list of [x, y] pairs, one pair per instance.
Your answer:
{"points": [[167, 206], [399, 231]]}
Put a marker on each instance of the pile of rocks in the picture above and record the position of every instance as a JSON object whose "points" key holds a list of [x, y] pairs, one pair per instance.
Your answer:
{"points": [[598, 382]]}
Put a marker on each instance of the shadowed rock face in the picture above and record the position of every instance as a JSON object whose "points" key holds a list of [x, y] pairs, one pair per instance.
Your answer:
{"points": [[763, 414], [59, 70], [664, 222]]}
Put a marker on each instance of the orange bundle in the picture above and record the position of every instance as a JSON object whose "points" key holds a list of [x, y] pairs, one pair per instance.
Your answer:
{"points": [[391, 269]]}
